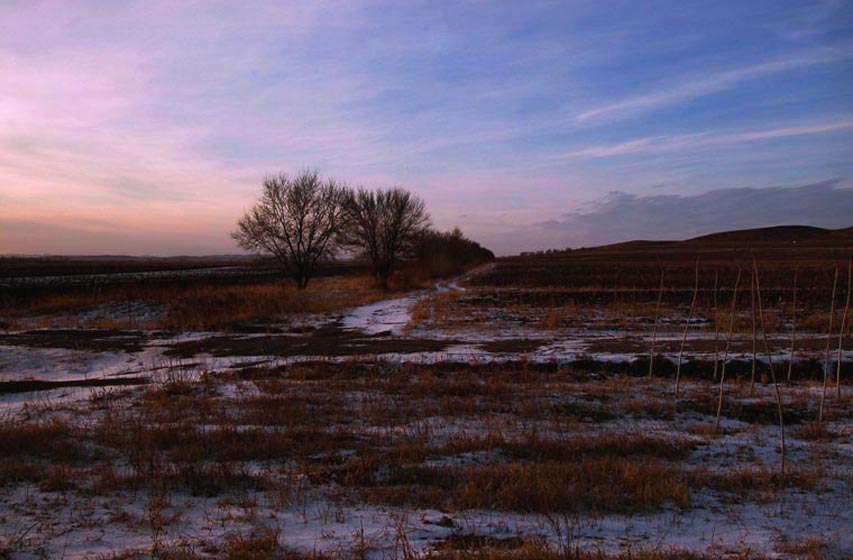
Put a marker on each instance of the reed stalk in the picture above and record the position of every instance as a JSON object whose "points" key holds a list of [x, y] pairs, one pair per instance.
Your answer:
{"points": [[716, 329], [754, 338], [770, 365], [826, 354], [686, 328], [655, 327], [841, 335], [793, 329], [726, 352]]}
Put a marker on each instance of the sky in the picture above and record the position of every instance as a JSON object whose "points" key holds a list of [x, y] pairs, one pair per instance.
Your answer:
{"points": [[146, 128]]}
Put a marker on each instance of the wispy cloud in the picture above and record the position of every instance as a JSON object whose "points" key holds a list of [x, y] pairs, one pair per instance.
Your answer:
{"points": [[695, 87], [658, 144]]}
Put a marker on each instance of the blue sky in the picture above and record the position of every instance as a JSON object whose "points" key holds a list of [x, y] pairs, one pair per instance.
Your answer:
{"points": [[146, 127]]}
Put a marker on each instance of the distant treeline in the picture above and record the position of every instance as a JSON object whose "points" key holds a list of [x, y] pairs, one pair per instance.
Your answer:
{"points": [[448, 253]]}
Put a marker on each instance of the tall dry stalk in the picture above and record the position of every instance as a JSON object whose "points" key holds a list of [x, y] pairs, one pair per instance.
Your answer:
{"points": [[716, 329], [754, 339], [770, 365], [841, 334], [655, 327], [826, 354], [726, 353], [616, 292], [633, 301], [686, 328], [793, 329]]}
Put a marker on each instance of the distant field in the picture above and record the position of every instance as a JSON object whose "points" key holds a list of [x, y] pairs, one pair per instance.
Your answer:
{"points": [[15, 267], [638, 264], [59, 290]]}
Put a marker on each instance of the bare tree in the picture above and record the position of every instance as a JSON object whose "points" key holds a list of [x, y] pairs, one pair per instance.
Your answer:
{"points": [[296, 220], [384, 225]]}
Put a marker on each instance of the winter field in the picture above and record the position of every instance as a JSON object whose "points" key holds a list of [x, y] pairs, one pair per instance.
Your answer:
{"points": [[591, 404]]}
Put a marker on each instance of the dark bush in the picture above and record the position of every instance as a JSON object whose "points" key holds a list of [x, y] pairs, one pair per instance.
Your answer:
{"points": [[448, 253]]}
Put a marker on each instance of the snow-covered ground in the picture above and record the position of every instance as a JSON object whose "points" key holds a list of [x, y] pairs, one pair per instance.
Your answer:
{"points": [[37, 523], [75, 527], [387, 316], [480, 343]]}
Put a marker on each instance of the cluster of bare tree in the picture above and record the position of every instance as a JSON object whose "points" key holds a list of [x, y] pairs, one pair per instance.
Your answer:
{"points": [[305, 219], [448, 253]]}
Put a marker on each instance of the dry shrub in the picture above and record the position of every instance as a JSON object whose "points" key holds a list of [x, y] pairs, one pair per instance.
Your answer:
{"points": [[175, 553], [426, 383], [808, 548], [437, 310], [188, 443], [649, 407], [14, 470], [106, 478], [703, 429], [572, 449], [603, 485], [210, 479], [812, 431], [484, 543], [536, 550], [749, 481], [59, 478], [601, 445], [273, 386], [222, 307], [262, 546], [203, 306], [287, 409], [557, 317], [405, 279], [50, 477], [607, 485], [54, 440]]}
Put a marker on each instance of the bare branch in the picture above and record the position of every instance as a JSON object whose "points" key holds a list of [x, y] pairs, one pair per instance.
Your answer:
{"points": [[296, 220]]}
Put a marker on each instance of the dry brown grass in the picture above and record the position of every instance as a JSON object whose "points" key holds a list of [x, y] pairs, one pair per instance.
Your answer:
{"points": [[200, 306], [758, 482], [439, 310], [599, 485], [457, 547], [558, 317], [455, 438], [810, 548], [262, 544], [812, 431], [215, 308], [480, 549]]}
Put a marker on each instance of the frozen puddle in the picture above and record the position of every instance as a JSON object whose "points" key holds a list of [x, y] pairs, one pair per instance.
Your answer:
{"points": [[389, 316]]}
